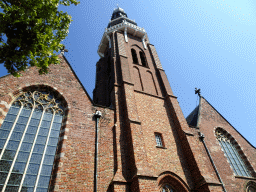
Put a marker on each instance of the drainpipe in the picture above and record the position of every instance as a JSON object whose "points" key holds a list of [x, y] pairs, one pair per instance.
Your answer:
{"points": [[97, 116], [201, 136]]}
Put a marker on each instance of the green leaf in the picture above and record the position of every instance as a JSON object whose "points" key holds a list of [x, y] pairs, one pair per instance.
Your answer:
{"points": [[34, 30]]}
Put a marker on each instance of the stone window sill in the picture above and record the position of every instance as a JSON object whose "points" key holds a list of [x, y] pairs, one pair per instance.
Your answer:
{"points": [[141, 65], [243, 177], [161, 147]]}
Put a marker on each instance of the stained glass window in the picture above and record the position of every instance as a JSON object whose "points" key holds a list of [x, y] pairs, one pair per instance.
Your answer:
{"points": [[28, 142], [231, 152]]}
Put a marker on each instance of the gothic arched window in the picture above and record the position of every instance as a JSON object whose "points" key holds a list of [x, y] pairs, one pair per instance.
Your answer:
{"points": [[28, 141], [167, 188], [143, 59], [228, 145], [251, 186], [251, 189], [134, 56]]}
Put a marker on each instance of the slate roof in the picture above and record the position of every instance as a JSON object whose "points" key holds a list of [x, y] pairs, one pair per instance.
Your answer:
{"points": [[193, 117]]}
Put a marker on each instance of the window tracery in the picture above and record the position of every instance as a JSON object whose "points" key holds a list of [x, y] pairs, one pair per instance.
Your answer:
{"points": [[228, 144], [167, 188], [28, 141]]}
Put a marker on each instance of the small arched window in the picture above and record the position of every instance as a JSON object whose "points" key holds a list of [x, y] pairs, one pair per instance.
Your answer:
{"points": [[167, 188], [228, 144], [159, 140], [28, 141], [134, 56], [251, 186], [251, 189], [143, 59]]}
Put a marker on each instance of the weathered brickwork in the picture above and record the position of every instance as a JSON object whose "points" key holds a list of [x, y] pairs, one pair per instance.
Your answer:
{"points": [[156, 58], [145, 105], [143, 113], [209, 121], [155, 119], [136, 102], [74, 162], [148, 73]]}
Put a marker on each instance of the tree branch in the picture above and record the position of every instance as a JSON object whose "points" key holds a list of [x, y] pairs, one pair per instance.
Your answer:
{"points": [[6, 3]]}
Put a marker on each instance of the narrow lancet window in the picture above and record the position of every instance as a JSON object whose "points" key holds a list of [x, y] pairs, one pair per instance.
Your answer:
{"points": [[134, 56], [229, 147], [143, 59]]}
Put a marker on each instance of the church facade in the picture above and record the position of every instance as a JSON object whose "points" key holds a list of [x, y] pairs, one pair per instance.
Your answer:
{"points": [[132, 137]]}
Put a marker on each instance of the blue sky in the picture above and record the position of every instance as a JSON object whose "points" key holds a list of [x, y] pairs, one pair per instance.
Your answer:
{"points": [[206, 44]]}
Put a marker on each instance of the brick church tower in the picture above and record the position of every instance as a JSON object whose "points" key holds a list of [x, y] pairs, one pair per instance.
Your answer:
{"points": [[149, 126], [132, 137], [156, 149]]}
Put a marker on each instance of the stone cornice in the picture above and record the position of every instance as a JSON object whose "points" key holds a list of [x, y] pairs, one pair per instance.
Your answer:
{"points": [[125, 26]]}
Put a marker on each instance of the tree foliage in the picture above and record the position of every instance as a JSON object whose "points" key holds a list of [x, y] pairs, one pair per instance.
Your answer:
{"points": [[30, 32]]}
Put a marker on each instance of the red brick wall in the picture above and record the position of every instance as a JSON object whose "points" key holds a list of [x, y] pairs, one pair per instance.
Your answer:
{"points": [[150, 85], [154, 118], [141, 113], [120, 187], [74, 165], [144, 105], [210, 119], [128, 159]]}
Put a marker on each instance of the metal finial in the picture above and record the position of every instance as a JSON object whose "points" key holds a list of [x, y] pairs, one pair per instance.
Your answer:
{"points": [[63, 50], [198, 91]]}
